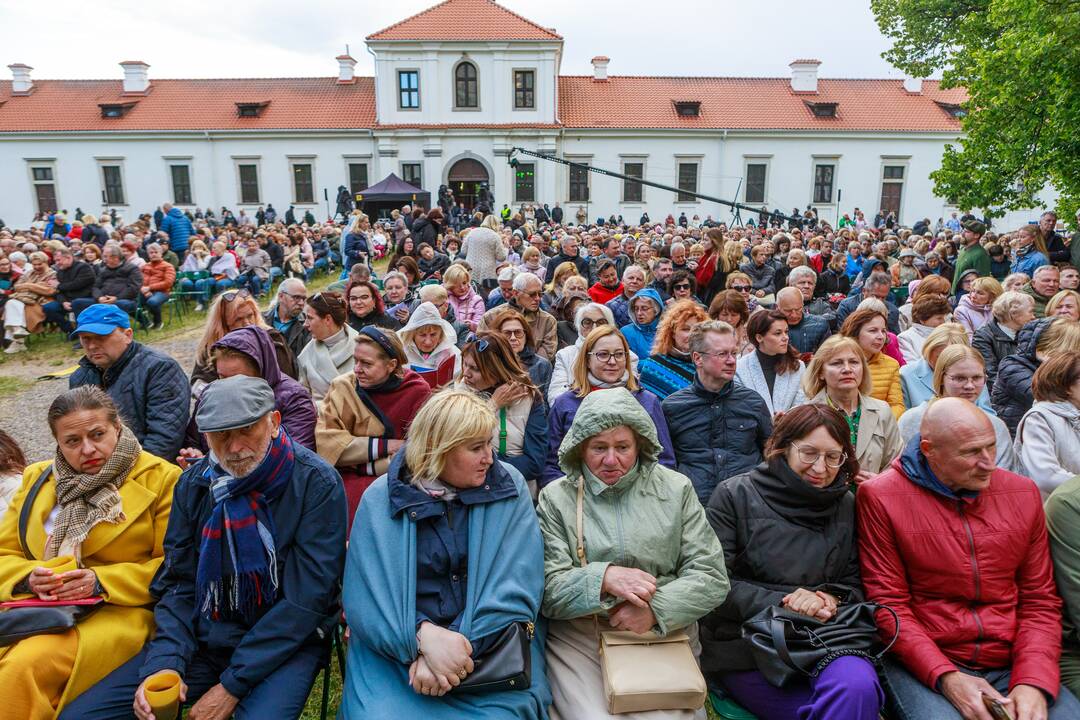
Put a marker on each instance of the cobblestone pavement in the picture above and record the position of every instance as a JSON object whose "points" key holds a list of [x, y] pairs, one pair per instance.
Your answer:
{"points": [[22, 415]]}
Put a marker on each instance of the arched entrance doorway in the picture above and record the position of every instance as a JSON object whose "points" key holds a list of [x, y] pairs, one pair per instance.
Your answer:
{"points": [[465, 178]]}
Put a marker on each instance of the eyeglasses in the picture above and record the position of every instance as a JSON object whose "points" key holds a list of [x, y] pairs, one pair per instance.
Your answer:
{"points": [[587, 323], [513, 333], [482, 344], [233, 294], [681, 286], [328, 298], [532, 294], [605, 356], [833, 458], [729, 355], [297, 298], [741, 288], [966, 379]]}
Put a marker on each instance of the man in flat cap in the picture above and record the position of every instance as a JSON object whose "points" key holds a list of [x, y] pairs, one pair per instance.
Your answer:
{"points": [[248, 592], [972, 254]]}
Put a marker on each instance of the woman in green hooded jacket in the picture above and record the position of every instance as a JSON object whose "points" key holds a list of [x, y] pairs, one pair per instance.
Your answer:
{"points": [[653, 562]]}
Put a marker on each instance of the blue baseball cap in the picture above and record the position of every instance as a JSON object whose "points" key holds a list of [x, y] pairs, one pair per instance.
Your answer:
{"points": [[101, 319]]}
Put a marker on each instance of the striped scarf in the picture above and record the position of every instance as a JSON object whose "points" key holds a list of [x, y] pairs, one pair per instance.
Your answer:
{"points": [[237, 573], [86, 500]]}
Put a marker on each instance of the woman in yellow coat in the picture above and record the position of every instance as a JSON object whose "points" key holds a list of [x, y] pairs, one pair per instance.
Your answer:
{"points": [[868, 328], [95, 528]]}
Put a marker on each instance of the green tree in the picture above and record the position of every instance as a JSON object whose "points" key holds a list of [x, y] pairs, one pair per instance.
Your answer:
{"points": [[1020, 63]]}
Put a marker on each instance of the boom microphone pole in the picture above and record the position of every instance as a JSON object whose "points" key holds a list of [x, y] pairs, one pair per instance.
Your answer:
{"points": [[513, 161]]}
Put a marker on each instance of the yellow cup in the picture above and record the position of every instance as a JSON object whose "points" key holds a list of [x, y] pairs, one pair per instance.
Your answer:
{"points": [[162, 691]]}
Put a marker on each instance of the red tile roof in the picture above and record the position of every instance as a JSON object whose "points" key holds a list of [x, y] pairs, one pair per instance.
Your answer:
{"points": [[619, 102], [302, 103], [753, 103], [466, 20]]}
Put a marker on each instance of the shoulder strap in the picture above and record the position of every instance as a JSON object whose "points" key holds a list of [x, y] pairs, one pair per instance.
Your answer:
{"points": [[27, 506], [502, 433], [581, 521]]}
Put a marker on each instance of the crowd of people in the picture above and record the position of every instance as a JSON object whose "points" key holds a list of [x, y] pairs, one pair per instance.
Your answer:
{"points": [[526, 446]]}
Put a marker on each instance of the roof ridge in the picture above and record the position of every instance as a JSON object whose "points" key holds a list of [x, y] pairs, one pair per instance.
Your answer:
{"points": [[548, 31]]}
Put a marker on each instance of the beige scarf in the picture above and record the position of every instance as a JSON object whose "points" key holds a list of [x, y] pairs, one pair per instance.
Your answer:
{"points": [[85, 500]]}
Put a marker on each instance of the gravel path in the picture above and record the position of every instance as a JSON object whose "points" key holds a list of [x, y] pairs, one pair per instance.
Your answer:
{"points": [[22, 415]]}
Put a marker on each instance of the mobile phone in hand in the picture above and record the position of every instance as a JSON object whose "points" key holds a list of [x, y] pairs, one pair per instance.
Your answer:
{"points": [[996, 708]]}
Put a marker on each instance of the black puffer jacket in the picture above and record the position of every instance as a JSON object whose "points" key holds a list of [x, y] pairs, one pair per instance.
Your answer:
{"points": [[994, 345], [716, 434], [779, 533], [151, 392], [1012, 397], [122, 282]]}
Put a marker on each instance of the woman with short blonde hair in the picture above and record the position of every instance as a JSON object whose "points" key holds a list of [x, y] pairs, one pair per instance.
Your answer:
{"points": [[1066, 303], [446, 551]]}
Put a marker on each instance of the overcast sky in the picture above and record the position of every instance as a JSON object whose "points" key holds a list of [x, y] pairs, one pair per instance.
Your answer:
{"points": [[299, 38]]}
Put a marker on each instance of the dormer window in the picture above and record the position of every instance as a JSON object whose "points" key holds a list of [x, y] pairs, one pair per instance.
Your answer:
{"points": [[953, 109], [823, 109], [251, 110], [115, 110], [688, 108]]}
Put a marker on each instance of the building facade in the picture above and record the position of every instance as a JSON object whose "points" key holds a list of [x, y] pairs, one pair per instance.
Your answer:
{"points": [[455, 89]]}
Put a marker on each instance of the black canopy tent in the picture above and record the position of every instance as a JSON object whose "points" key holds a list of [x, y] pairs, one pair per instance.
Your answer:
{"points": [[392, 192]]}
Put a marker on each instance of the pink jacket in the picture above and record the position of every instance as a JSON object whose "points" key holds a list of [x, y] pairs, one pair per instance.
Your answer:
{"points": [[972, 316], [468, 309]]}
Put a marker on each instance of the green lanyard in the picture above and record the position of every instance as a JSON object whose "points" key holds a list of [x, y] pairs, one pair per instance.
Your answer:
{"points": [[502, 431]]}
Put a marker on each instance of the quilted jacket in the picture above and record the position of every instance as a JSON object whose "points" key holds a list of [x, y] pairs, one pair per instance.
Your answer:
{"points": [[1012, 389]]}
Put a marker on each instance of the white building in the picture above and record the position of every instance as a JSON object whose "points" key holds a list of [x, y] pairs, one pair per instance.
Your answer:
{"points": [[455, 88]]}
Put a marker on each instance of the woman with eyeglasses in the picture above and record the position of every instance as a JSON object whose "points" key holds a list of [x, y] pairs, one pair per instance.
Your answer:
{"points": [[329, 353], [682, 286], [604, 361], [839, 377], [645, 309], [565, 310], [366, 411], [588, 317], [512, 325], [774, 369], [670, 367], [232, 310], [959, 371], [430, 341], [366, 307], [788, 532], [489, 366], [741, 283]]}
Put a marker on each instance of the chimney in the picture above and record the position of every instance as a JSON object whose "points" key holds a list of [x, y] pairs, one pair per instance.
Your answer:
{"points": [[346, 70], [136, 81], [804, 75], [21, 84], [599, 68], [913, 85]]}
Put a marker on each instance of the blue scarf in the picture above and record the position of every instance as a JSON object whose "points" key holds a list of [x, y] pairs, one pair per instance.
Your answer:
{"points": [[237, 573]]}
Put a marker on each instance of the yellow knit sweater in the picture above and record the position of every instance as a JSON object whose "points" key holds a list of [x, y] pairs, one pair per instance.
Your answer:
{"points": [[885, 372]]}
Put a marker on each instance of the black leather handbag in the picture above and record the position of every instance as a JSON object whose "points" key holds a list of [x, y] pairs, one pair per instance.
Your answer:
{"points": [[787, 646], [23, 622], [507, 665]]}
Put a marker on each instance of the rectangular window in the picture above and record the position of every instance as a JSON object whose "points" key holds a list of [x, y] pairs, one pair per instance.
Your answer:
{"points": [[755, 183], [823, 183], [303, 183], [408, 89], [524, 183], [249, 183], [412, 173], [579, 184], [892, 188], [524, 89], [358, 181], [181, 184], [44, 189], [687, 181], [113, 180], [633, 191]]}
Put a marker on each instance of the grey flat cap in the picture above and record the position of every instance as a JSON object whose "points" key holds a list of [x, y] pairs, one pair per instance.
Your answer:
{"points": [[233, 402]]}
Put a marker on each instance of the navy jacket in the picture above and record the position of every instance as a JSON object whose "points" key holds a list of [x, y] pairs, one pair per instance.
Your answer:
{"points": [[849, 304], [1012, 397], [309, 522], [716, 435], [152, 393], [122, 282]]}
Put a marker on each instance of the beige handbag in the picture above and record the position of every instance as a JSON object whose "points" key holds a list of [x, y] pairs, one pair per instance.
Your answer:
{"points": [[643, 672]]}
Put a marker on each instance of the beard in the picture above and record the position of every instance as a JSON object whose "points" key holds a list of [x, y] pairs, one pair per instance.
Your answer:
{"points": [[240, 465]]}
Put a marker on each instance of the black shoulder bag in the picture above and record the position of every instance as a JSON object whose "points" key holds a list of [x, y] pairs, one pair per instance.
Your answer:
{"points": [[23, 622], [787, 645]]}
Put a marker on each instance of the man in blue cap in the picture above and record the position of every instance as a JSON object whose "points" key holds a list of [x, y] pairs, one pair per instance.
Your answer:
{"points": [[149, 388], [254, 554]]}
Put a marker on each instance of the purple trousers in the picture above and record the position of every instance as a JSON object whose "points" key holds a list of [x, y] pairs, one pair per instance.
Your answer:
{"points": [[847, 689]]}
